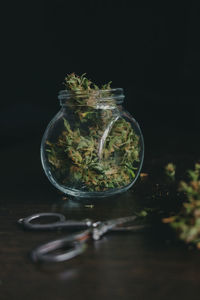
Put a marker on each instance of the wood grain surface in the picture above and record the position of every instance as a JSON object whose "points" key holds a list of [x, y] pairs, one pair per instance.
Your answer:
{"points": [[145, 265]]}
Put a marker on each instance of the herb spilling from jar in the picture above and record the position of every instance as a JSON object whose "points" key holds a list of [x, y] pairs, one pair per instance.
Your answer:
{"points": [[100, 150]]}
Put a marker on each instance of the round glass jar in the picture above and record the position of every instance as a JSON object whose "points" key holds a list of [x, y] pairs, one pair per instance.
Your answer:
{"points": [[93, 147]]}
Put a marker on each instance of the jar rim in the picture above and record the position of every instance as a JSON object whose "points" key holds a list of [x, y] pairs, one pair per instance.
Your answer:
{"points": [[106, 95]]}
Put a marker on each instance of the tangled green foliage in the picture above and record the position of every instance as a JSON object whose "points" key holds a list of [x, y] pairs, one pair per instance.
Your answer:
{"points": [[187, 221], [80, 84]]}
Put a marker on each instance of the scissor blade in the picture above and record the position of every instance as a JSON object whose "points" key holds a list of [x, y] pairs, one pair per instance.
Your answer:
{"points": [[121, 221], [102, 227], [132, 228]]}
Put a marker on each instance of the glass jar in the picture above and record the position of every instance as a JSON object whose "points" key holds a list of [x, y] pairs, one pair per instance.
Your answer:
{"points": [[93, 147]]}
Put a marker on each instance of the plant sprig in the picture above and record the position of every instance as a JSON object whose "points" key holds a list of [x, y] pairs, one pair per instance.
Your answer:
{"points": [[187, 222], [170, 170], [81, 83]]}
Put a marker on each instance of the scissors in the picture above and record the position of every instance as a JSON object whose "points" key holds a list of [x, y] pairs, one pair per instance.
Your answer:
{"points": [[72, 244]]}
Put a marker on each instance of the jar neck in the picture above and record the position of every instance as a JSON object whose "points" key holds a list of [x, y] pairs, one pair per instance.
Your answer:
{"points": [[95, 98]]}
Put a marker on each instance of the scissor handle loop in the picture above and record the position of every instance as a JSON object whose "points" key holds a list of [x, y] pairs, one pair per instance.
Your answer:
{"points": [[76, 244], [41, 255], [26, 222]]}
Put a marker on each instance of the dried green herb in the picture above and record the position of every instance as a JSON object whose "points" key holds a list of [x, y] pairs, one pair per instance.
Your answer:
{"points": [[170, 170], [91, 157], [187, 222]]}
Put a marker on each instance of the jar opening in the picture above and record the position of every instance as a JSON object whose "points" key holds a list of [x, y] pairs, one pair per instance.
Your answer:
{"points": [[115, 95]]}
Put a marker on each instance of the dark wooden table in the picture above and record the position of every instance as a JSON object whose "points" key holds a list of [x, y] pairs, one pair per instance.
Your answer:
{"points": [[145, 265]]}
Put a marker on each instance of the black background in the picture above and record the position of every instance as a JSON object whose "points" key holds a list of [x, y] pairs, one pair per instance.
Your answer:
{"points": [[152, 51]]}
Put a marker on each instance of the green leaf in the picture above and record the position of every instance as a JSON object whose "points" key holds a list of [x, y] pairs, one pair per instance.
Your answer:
{"points": [[67, 126]]}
